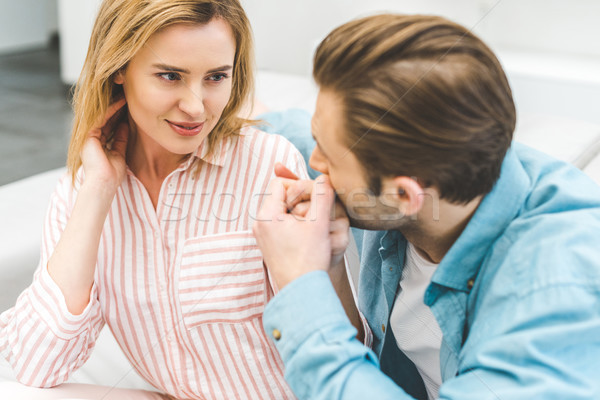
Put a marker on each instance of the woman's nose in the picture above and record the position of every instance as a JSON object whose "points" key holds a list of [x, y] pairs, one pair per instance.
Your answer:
{"points": [[192, 102]]}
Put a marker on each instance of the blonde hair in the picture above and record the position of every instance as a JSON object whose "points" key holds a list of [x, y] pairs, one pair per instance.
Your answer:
{"points": [[122, 27]]}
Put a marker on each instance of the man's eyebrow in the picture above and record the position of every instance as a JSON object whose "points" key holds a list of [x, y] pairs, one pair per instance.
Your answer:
{"points": [[170, 68]]}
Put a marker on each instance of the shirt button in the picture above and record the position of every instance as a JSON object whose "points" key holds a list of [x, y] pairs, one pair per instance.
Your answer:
{"points": [[276, 334], [383, 328], [470, 284]]}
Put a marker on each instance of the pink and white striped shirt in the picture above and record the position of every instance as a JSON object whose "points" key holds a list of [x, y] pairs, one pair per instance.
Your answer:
{"points": [[182, 287]]}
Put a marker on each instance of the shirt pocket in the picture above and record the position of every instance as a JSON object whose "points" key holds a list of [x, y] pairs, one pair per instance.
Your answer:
{"points": [[222, 279]]}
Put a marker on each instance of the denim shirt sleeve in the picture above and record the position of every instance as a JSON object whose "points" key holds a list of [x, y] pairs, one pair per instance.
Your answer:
{"points": [[322, 357], [323, 360]]}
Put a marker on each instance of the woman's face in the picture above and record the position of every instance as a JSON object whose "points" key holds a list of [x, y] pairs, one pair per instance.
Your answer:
{"points": [[178, 84]]}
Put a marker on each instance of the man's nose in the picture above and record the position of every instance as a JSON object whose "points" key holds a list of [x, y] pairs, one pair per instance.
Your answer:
{"points": [[317, 161]]}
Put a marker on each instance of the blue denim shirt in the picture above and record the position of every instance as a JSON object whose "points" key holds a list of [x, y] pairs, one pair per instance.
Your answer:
{"points": [[517, 298]]}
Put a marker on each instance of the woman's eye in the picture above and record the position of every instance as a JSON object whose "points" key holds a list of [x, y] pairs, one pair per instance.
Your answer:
{"points": [[218, 77], [170, 76]]}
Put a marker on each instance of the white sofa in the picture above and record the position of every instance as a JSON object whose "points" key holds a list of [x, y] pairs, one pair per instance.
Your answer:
{"points": [[23, 205]]}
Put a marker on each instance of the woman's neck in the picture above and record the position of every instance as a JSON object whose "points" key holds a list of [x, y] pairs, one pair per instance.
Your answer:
{"points": [[148, 159], [151, 163]]}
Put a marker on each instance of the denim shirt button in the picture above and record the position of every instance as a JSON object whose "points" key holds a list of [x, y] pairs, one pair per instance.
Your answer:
{"points": [[470, 284], [276, 334]]}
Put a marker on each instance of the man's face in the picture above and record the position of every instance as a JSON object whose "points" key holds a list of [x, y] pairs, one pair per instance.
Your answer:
{"points": [[333, 158]]}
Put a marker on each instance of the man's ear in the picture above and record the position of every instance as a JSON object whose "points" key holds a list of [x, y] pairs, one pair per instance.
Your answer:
{"points": [[405, 193], [119, 78]]}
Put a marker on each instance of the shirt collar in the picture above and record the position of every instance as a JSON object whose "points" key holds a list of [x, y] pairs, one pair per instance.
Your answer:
{"points": [[495, 212], [218, 157]]}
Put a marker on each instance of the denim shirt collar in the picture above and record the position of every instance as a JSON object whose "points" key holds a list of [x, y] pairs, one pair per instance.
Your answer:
{"points": [[392, 251], [495, 212]]}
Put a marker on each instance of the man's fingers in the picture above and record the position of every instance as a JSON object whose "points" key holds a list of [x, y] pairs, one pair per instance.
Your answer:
{"points": [[273, 205], [339, 242], [321, 199], [300, 209], [281, 171], [339, 225]]}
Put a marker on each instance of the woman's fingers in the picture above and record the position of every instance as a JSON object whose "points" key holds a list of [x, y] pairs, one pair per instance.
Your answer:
{"points": [[112, 110], [112, 116], [281, 171], [119, 143], [297, 192]]}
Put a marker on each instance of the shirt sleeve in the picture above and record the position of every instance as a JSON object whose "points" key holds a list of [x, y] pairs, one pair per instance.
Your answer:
{"points": [[294, 125], [39, 337], [296, 163], [323, 359], [549, 351]]}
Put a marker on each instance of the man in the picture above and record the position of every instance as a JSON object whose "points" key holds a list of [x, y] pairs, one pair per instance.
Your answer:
{"points": [[480, 277]]}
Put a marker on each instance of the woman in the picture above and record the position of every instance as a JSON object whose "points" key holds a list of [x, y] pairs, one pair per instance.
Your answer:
{"points": [[151, 232]]}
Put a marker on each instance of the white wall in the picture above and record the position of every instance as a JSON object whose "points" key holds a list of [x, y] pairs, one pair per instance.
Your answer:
{"points": [[23, 24], [287, 32], [52, 16], [549, 48], [75, 20]]}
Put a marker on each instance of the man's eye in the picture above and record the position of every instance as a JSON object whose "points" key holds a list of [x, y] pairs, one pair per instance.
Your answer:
{"points": [[218, 77], [170, 76]]}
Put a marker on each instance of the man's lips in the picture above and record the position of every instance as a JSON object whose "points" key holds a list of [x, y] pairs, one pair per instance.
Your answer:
{"points": [[186, 128]]}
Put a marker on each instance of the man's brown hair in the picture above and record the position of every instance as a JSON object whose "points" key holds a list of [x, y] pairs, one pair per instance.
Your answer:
{"points": [[421, 96]]}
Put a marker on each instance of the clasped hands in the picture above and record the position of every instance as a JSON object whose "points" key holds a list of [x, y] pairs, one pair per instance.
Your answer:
{"points": [[300, 227]]}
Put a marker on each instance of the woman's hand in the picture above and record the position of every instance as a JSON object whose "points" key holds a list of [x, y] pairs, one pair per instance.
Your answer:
{"points": [[103, 153], [73, 263]]}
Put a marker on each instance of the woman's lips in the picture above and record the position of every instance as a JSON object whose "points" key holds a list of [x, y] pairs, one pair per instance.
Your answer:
{"points": [[186, 128]]}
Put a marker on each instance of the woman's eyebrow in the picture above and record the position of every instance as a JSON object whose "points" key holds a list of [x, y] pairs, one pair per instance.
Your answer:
{"points": [[170, 68], [220, 69]]}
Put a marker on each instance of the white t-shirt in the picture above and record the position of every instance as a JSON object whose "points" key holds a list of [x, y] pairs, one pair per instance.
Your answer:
{"points": [[417, 332]]}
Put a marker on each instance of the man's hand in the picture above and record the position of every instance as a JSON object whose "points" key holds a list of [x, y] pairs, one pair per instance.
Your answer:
{"points": [[297, 195], [295, 245]]}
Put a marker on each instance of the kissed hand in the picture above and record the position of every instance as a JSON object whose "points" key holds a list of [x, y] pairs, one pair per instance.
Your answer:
{"points": [[296, 243], [298, 194]]}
